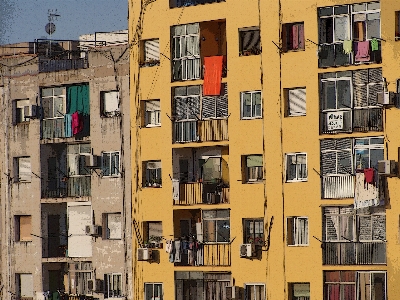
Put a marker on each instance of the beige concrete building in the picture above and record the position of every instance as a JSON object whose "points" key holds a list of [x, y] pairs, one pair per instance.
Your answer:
{"points": [[65, 192]]}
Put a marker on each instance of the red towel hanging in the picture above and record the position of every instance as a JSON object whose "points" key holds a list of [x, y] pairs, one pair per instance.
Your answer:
{"points": [[77, 123], [369, 175], [212, 75]]}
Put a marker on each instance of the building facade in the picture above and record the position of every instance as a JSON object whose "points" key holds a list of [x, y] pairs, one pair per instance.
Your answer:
{"points": [[65, 194], [264, 135]]}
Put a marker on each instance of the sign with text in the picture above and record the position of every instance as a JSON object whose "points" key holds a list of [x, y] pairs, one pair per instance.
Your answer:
{"points": [[334, 120]]}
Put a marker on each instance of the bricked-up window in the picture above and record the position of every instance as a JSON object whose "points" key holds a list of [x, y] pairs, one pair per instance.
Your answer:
{"points": [[24, 286], [249, 41], [293, 36], [153, 291], [299, 291], [23, 171], [23, 228]]}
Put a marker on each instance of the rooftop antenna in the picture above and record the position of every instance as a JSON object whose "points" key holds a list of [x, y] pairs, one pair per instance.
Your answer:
{"points": [[51, 27]]}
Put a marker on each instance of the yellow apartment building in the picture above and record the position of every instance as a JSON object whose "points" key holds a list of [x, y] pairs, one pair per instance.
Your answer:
{"points": [[264, 148]]}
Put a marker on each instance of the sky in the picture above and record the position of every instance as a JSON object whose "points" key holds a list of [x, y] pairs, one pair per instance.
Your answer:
{"points": [[25, 20]]}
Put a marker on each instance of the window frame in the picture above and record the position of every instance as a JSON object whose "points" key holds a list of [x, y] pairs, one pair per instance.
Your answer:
{"points": [[17, 228], [149, 62], [52, 97], [297, 179], [111, 154], [148, 113], [18, 283], [19, 110], [298, 113], [247, 170], [254, 285], [153, 284], [252, 100], [113, 113], [105, 227], [297, 230], [371, 286], [81, 166], [17, 169], [215, 221], [157, 179], [341, 283], [109, 293], [369, 147], [246, 238], [291, 291], [287, 28], [397, 26], [256, 49]]}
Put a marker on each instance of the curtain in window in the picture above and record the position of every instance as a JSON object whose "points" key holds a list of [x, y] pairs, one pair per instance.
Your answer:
{"points": [[78, 99]]}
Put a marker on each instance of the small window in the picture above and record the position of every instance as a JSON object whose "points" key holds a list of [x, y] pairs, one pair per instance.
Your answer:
{"points": [[296, 167], [299, 291], [109, 103], [251, 105], [23, 228], [296, 102], [22, 110], [23, 172], [112, 285], [254, 291], [111, 163], [24, 286], [153, 291], [216, 226], [151, 55], [253, 231], [293, 36], [112, 226], [397, 29], [153, 233], [152, 174], [152, 113], [252, 168], [249, 39], [297, 231]]}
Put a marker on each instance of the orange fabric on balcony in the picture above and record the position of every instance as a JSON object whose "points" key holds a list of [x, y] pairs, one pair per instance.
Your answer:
{"points": [[212, 75]]}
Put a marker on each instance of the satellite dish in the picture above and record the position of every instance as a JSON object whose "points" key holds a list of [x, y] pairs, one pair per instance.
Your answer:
{"points": [[50, 28]]}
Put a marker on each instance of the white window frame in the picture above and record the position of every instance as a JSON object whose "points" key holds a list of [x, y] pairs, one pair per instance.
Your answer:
{"points": [[111, 154], [366, 11], [152, 285], [152, 114], [252, 99], [115, 97], [297, 179], [215, 219], [109, 289], [340, 283], [291, 288], [299, 112], [368, 147], [336, 80], [72, 156], [358, 273], [55, 114], [298, 230], [254, 285], [107, 227], [157, 171], [28, 176], [187, 58], [147, 60]]}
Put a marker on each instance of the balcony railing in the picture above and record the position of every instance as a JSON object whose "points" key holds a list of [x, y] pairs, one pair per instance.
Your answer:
{"points": [[368, 119], [185, 132], [201, 131], [217, 254], [68, 187], [338, 186], [192, 193], [55, 128], [354, 253], [180, 3], [53, 65], [51, 247]]}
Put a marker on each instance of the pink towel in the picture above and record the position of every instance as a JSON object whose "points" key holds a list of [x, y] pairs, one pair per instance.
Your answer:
{"points": [[295, 34], [77, 123], [363, 51]]}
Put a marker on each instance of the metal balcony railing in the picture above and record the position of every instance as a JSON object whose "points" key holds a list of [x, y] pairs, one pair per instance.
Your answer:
{"points": [[201, 131], [53, 65], [338, 186], [76, 186], [353, 253], [192, 193], [212, 255]]}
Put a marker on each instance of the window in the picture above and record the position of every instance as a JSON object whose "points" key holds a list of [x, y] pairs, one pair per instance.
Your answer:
{"points": [[216, 226], [21, 111], [297, 231], [111, 165], [23, 228], [153, 291], [112, 226], [296, 167], [23, 172], [397, 25], [249, 41], [293, 36], [253, 231], [296, 102], [366, 21], [151, 55], [251, 105], [109, 104], [24, 286], [368, 151], [152, 232], [213, 107], [299, 291], [253, 168], [254, 291], [152, 115], [76, 159], [152, 173], [186, 52], [112, 285], [53, 102], [371, 285]]}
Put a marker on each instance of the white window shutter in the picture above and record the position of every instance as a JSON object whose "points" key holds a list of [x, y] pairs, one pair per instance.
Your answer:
{"points": [[152, 50], [26, 285], [111, 101], [297, 102], [24, 169]]}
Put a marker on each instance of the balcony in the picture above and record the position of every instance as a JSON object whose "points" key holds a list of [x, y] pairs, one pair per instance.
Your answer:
{"points": [[208, 255], [77, 186], [353, 253], [192, 193], [338, 186], [56, 128], [181, 3], [210, 130], [54, 65]]}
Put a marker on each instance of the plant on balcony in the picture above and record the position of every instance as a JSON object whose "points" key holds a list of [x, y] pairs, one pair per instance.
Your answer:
{"points": [[155, 241]]}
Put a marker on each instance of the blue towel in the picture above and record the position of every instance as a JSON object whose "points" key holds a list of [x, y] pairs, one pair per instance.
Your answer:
{"points": [[68, 125]]}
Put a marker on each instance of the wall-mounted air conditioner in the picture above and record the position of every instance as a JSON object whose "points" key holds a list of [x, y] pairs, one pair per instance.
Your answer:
{"points": [[31, 111], [92, 161], [247, 250], [144, 254], [93, 230], [387, 167], [386, 98]]}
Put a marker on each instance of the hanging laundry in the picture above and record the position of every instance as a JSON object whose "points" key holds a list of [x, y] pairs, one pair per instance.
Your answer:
{"points": [[168, 246], [374, 44], [68, 125], [172, 253], [77, 123], [369, 175], [212, 75], [177, 251], [347, 46], [362, 51]]}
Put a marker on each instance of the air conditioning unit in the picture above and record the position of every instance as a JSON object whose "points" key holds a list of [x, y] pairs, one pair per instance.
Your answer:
{"points": [[144, 254], [91, 285], [387, 167], [386, 98], [93, 230], [31, 111], [231, 292], [92, 161], [247, 250]]}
